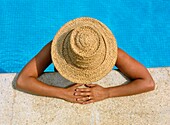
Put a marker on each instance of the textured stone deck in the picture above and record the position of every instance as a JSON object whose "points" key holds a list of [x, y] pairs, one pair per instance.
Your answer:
{"points": [[152, 108]]}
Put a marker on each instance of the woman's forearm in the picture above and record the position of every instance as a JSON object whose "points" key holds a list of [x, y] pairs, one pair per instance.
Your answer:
{"points": [[134, 87], [34, 86]]}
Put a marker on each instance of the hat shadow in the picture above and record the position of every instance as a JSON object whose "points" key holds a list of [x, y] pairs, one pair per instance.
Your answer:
{"points": [[124, 76], [55, 79], [52, 79]]}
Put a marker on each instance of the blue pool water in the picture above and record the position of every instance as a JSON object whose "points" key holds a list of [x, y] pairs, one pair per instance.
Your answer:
{"points": [[141, 27]]}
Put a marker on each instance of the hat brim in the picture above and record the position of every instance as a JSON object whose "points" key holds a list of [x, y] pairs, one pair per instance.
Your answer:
{"points": [[79, 75]]}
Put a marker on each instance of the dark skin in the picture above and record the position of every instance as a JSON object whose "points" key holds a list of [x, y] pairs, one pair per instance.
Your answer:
{"points": [[141, 80]]}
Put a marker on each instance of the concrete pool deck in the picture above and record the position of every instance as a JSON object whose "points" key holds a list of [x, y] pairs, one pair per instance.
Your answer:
{"points": [[152, 108]]}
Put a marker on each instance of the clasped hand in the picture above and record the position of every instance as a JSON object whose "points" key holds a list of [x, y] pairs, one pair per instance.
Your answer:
{"points": [[90, 94]]}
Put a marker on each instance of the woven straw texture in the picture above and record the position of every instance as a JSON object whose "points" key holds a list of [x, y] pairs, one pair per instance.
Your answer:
{"points": [[84, 50]]}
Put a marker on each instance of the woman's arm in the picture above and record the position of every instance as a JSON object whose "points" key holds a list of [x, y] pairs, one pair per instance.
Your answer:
{"points": [[27, 80], [141, 81]]}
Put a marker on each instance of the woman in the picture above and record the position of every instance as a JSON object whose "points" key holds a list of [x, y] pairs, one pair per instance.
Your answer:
{"points": [[88, 32]]}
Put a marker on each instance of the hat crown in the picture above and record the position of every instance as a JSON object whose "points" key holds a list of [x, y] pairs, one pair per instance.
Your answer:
{"points": [[84, 47], [84, 50]]}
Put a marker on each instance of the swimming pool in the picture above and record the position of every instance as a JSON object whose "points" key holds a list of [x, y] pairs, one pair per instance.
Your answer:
{"points": [[141, 28]]}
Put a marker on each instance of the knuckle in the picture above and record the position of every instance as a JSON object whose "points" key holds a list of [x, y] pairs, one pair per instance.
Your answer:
{"points": [[77, 89], [87, 89], [76, 93], [79, 100], [83, 99]]}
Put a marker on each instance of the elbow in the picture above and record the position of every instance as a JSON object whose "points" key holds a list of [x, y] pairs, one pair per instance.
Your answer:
{"points": [[150, 85], [19, 82]]}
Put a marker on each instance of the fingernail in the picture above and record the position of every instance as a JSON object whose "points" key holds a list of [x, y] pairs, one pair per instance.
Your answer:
{"points": [[75, 93]]}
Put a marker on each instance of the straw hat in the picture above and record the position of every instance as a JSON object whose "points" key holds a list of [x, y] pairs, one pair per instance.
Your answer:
{"points": [[84, 50]]}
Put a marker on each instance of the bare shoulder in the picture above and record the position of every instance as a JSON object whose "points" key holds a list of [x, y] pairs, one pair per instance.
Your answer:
{"points": [[36, 66], [124, 59], [131, 67]]}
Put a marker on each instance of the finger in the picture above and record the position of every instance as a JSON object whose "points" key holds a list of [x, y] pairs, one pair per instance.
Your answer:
{"points": [[76, 97], [89, 101], [79, 101], [83, 99], [83, 89], [82, 93], [90, 85]]}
